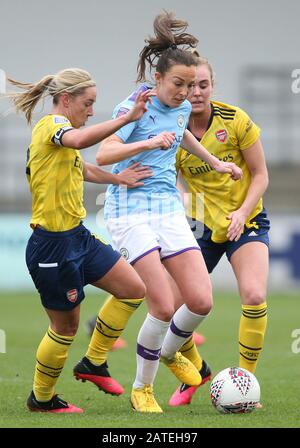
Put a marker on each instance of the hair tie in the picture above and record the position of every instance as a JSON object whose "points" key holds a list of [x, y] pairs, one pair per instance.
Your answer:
{"points": [[173, 47]]}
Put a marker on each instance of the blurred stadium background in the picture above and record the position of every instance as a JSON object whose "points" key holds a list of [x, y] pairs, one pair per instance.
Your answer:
{"points": [[253, 49]]}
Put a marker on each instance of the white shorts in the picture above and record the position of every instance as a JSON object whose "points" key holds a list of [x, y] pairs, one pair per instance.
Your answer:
{"points": [[135, 236]]}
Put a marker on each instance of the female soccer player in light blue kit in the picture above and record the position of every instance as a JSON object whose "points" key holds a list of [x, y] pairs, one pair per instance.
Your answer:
{"points": [[148, 224]]}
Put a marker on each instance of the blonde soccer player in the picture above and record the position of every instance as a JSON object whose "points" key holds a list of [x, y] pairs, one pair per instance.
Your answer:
{"points": [[62, 255]]}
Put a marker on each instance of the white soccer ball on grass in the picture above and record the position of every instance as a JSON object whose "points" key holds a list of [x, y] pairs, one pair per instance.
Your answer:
{"points": [[234, 391]]}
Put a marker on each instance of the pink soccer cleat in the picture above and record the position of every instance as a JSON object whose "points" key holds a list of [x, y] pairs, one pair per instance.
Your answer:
{"points": [[55, 405], [184, 394], [98, 375]]}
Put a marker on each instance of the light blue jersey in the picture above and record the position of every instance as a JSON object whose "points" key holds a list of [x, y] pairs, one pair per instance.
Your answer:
{"points": [[159, 194]]}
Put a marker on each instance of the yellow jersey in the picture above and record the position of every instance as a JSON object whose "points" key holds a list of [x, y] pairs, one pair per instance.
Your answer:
{"points": [[55, 176], [230, 131]]}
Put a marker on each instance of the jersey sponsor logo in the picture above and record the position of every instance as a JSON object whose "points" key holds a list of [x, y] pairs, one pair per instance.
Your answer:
{"points": [[205, 168], [78, 163], [59, 120], [194, 170], [122, 111], [124, 252], [180, 121], [72, 295], [222, 135], [174, 145]]}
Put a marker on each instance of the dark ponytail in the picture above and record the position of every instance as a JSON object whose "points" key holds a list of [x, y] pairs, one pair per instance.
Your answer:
{"points": [[161, 51]]}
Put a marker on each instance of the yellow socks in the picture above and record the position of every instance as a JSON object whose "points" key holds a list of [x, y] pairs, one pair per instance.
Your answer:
{"points": [[51, 356], [189, 350], [253, 325], [111, 321]]}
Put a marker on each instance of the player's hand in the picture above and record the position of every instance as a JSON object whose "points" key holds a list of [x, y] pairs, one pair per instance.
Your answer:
{"points": [[231, 168], [162, 141], [140, 105], [236, 226], [132, 176]]}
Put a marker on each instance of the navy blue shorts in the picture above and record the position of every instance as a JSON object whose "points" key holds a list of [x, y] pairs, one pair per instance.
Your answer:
{"points": [[62, 263], [212, 252]]}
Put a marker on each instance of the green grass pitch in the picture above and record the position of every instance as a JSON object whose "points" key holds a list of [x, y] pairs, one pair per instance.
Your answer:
{"points": [[24, 323]]}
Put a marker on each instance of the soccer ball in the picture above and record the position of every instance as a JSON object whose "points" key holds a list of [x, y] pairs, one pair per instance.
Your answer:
{"points": [[234, 391]]}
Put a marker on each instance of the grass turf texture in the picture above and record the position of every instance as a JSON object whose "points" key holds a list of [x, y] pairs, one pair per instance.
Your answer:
{"points": [[24, 322]]}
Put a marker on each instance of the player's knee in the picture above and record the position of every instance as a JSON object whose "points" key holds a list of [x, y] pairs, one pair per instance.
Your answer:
{"points": [[200, 305], [253, 296], [200, 302], [66, 329], [136, 290], [165, 316], [164, 313], [203, 309]]}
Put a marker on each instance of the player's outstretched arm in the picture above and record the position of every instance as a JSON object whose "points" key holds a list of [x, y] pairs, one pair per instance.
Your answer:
{"points": [[191, 144], [83, 138], [131, 176], [114, 150]]}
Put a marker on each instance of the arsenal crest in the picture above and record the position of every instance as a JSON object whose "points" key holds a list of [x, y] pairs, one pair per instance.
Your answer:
{"points": [[72, 295], [222, 135]]}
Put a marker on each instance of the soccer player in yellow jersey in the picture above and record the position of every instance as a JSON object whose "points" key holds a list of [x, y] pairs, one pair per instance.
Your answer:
{"points": [[233, 220], [62, 255]]}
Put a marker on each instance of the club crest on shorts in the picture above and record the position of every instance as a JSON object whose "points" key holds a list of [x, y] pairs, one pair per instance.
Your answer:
{"points": [[124, 252], [72, 295], [180, 121], [222, 135]]}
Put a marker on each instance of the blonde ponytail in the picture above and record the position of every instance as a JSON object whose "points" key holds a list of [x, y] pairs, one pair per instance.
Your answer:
{"points": [[26, 101], [71, 80]]}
